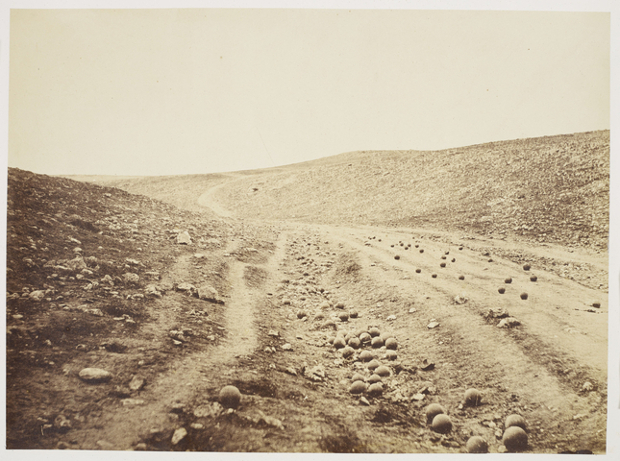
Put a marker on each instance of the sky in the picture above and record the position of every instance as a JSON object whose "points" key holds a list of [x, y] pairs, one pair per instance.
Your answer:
{"points": [[179, 91]]}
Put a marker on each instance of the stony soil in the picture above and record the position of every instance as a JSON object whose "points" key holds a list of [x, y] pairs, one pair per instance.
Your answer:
{"points": [[279, 289]]}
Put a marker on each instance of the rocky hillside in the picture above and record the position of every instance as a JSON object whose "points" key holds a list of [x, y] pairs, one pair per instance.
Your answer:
{"points": [[549, 189], [552, 189]]}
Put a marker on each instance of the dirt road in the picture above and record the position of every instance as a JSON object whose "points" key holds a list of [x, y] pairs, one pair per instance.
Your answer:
{"points": [[292, 294]]}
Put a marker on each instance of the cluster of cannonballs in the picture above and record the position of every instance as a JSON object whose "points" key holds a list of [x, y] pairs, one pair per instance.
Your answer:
{"points": [[514, 437], [349, 344]]}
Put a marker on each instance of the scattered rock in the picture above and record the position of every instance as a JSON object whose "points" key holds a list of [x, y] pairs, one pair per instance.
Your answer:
{"points": [[208, 293], [509, 322], [95, 375], [183, 238], [461, 299], [433, 324], [178, 435], [131, 278], [62, 423], [136, 383], [316, 373]]}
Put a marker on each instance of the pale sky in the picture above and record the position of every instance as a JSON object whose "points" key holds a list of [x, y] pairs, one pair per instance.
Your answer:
{"points": [[180, 91]]}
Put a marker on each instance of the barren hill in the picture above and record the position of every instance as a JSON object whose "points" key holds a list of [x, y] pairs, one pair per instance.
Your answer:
{"points": [[551, 189]]}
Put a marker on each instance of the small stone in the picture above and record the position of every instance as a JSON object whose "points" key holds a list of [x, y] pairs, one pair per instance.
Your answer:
{"points": [[95, 375], [178, 435], [105, 445], [364, 401], [183, 238], [587, 387], [132, 402], [509, 322], [273, 333], [391, 318], [136, 383], [287, 347], [432, 325]]}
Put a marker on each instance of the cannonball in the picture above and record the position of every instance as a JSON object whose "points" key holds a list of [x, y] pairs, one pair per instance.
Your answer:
{"points": [[373, 364], [358, 387], [339, 305], [374, 378], [374, 331], [508, 280], [502, 291], [527, 267], [301, 314], [357, 377], [472, 397], [453, 260], [365, 338], [354, 342], [433, 410], [533, 278], [514, 439], [382, 371], [230, 397], [343, 316], [376, 342], [354, 314], [417, 271], [597, 305], [442, 265], [434, 276], [442, 424], [477, 444], [391, 355], [422, 250], [396, 257], [391, 343], [339, 342], [366, 356], [375, 389], [461, 277], [325, 305], [524, 296], [443, 257], [515, 420], [347, 352]]}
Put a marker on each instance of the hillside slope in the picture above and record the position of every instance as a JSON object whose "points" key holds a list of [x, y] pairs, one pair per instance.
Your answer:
{"points": [[549, 189]]}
